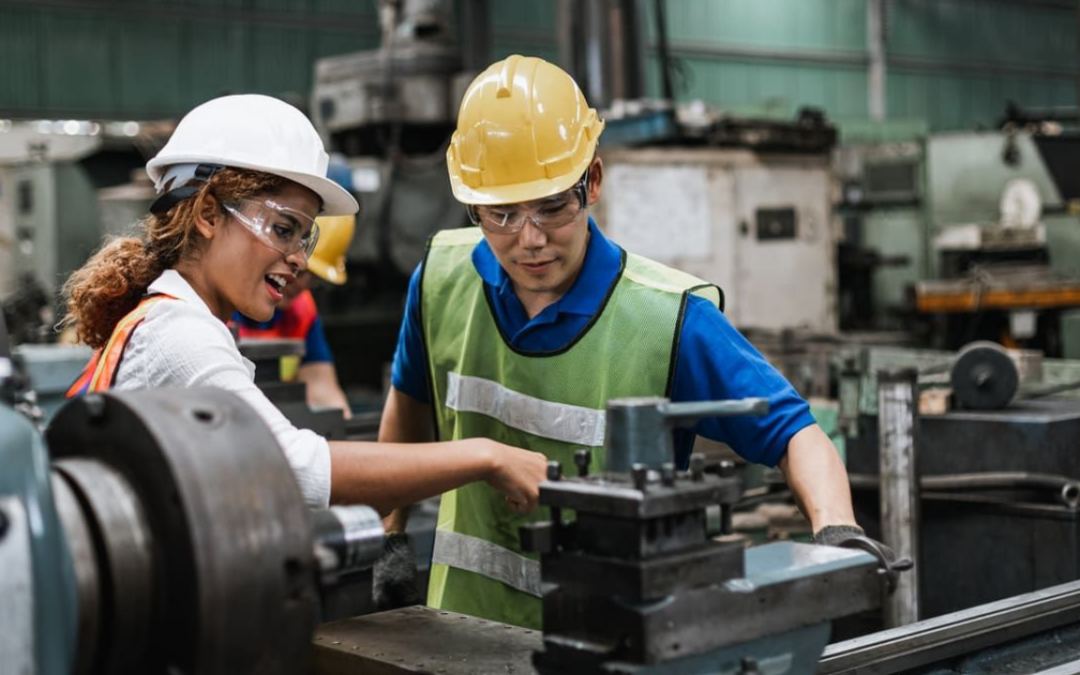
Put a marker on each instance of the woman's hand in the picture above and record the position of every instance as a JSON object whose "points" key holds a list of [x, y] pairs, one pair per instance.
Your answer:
{"points": [[517, 474]]}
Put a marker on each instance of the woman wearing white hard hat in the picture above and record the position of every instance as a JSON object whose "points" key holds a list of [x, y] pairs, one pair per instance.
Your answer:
{"points": [[240, 183]]}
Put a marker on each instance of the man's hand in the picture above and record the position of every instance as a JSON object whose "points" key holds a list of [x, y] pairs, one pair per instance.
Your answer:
{"points": [[836, 535], [852, 536]]}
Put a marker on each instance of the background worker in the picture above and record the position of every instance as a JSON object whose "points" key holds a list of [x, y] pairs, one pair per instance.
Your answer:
{"points": [[522, 329], [298, 318], [240, 183]]}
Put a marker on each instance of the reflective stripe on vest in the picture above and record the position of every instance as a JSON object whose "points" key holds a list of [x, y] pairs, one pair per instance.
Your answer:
{"points": [[105, 362], [487, 559], [550, 403], [557, 421]]}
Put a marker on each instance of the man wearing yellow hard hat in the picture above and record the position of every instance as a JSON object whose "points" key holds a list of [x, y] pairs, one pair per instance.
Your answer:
{"points": [[521, 330], [297, 317]]}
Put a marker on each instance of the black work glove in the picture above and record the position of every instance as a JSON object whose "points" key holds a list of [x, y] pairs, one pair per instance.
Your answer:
{"points": [[835, 535], [394, 582], [852, 536]]}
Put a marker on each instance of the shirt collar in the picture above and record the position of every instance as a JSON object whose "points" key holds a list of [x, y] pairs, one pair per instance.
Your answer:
{"points": [[172, 283], [603, 261]]}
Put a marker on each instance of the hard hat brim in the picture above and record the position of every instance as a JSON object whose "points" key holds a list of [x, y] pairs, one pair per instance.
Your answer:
{"points": [[337, 201], [492, 195]]}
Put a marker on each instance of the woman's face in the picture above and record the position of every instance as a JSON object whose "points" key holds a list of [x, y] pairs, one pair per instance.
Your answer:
{"points": [[247, 272]]}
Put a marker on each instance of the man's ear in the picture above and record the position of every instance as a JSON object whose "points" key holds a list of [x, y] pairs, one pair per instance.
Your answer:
{"points": [[596, 178], [207, 214]]}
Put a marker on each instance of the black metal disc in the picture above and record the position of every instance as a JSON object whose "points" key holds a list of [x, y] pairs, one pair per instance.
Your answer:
{"points": [[234, 578], [88, 582], [984, 377]]}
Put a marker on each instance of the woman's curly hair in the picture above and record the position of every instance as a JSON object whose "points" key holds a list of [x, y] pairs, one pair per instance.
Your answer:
{"points": [[115, 278]]}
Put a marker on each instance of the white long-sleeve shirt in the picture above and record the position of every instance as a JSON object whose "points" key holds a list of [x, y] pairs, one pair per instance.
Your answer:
{"points": [[181, 344]]}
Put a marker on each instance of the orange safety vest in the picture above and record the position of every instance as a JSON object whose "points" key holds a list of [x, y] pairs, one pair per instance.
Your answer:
{"points": [[99, 373]]}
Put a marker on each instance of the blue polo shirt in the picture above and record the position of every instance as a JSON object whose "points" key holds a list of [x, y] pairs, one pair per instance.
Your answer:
{"points": [[714, 360], [316, 347]]}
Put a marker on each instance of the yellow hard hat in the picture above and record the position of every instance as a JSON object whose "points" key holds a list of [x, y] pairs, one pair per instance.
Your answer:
{"points": [[327, 261], [524, 132]]}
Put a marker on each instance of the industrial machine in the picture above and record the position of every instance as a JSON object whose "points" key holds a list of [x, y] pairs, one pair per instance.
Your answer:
{"points": [[740, 215], [635, 585], [632, 583], [972, 231], [166, 534], [995, 478], [883, 248]]}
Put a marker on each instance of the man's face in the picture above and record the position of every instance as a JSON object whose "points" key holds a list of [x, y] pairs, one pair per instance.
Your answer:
{"points": [[543, 261], [301, 283]]}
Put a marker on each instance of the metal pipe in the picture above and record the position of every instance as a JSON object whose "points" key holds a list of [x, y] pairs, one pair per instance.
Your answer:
{"points": [[875, 41], [567, 22], [1066, 487], [897, 425], [627, 56], [619, 44], [597, 54], [911, 647], [347, 539], [476, 34], [663, 53], [7, 367], [633, 29]]}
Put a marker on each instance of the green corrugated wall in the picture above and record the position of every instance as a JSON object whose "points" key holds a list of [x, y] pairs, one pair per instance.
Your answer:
{"points": [[953, 63], [154, 58]]}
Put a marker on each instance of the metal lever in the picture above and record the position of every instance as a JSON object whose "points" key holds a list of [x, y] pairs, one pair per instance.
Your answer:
{"points": [[639, 429], [889, 564]]}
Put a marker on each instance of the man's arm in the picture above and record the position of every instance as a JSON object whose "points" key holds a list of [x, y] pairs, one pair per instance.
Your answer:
{"points": [[818, 479], [322, 386], [404, 420]]}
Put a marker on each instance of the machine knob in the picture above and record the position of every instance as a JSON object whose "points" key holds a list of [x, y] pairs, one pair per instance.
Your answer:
{"points": [[554, 470], [582, 457]]}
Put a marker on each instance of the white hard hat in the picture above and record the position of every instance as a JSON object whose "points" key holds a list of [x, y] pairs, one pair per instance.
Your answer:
{"points": [[251, 131]]}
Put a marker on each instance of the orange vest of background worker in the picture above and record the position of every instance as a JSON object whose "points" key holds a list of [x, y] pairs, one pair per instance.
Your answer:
{"points": [[298, 318]]}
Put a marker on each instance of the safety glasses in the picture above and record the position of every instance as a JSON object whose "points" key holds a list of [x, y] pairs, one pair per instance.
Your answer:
{"points": [[279, 227], [547, 214]]}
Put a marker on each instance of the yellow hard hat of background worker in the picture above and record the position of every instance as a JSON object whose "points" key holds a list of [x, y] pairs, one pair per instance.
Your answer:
{"points": [[524, 132], [328, 259]]}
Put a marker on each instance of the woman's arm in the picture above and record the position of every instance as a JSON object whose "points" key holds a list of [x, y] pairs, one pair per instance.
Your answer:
{"points": [[390, 475]]}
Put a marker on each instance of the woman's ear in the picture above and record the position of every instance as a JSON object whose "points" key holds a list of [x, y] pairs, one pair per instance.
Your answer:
{"points": [[206, 212]]}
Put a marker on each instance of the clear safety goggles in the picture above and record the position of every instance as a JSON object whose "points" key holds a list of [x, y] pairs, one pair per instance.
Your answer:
{"points": [[283, 229], [547, 214]]}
